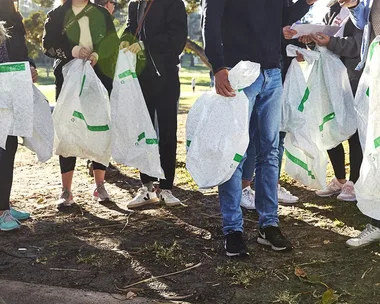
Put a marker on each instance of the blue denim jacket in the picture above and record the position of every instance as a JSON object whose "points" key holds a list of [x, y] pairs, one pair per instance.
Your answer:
{"points": [[360, 16]]}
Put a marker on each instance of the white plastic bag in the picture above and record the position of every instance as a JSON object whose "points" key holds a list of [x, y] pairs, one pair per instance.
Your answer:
{"points": [[367, 188], [82, 115], [16, 101], [134, 139], [217, 130], [43, 130]]}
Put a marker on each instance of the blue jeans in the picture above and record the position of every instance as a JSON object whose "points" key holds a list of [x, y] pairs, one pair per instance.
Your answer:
{"points": [[265, 111]]}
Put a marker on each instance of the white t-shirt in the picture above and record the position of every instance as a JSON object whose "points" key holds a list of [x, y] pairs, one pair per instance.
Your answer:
{"points": [[85, 39], [341, 20]]}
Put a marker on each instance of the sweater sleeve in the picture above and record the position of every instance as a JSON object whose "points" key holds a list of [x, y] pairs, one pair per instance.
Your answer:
{"points": [[295, 12], [129, 32], [213, 12], [346, 46]]}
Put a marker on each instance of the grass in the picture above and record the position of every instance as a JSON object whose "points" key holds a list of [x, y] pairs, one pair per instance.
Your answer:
{"points": [[240, 273]]}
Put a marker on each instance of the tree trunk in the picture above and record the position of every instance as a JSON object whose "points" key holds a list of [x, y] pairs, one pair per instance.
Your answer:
{"points": [[199, 51]]}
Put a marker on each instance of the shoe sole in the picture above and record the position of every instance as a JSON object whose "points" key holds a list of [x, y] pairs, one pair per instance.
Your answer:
{"points": [[233, 254], [288, 202], [5, 230], [98, 200], [264, 242], [151, 201], [346, 200], [171, 204], [328, 195]]}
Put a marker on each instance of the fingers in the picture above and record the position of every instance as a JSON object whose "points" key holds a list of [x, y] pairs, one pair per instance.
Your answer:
{"points": [[84, 53], [135, 48], [305, 39], [124, 45], [300, 57], [34, 74], [93, 60]]}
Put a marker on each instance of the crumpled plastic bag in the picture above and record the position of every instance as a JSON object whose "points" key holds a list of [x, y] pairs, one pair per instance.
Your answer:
{"points": [[42, 140], [82, 115], [367, 188], [16, 101], [134, 139], [217, 130]]}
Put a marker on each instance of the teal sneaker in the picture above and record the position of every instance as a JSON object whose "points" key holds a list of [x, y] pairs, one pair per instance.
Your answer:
{"points": [[19, 215], [8, 222]]}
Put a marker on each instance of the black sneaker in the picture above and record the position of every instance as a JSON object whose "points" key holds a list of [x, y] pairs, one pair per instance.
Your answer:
{"points": [[235, 245], [272, 236]]}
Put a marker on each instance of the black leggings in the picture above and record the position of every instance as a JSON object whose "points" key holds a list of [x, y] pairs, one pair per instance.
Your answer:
{"points": [[356, 157], [7, 159], [67, 164]]}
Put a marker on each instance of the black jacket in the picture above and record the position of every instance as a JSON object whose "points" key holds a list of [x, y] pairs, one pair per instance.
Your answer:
{"points": [[58, 44], [236, 30], [164, 33], [16, 44]]}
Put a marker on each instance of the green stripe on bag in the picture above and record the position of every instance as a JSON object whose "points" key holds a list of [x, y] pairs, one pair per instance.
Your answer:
{"points": [[82, 86], [299, 162], [377, 142], [141, 136], [91, 128], [127, 73], [372, 49], [188, 143], [367, 92], [327, 118], [238, 158], [148, 141], [13, 67], [305, 97]]}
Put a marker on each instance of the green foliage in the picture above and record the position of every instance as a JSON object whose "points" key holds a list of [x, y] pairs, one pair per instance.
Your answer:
{"points": [[34, 26], [44, 3]]}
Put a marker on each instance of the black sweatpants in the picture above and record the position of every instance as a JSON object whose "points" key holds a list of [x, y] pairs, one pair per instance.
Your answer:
{"points": [[7, 159], [356, 157], [161, 95]]}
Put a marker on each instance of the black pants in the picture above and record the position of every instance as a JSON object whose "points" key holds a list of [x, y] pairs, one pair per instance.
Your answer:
{"points": [[356, 157], [7, 160], [67, 164], [161, 95]]}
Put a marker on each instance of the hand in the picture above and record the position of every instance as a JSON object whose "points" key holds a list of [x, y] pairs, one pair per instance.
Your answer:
{"points": [[288, 33], [34, 74], [84, 53], [300, 57], [305, 39], [136, 47], [321, 39], [311, 2], [93, 59], [124, 45], [348, 3], [222, 84]]}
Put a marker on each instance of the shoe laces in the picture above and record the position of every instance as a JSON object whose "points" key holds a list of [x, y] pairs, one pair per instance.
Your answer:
{"points": [[368, 230], [167, 194], [249, 193], [142, 190], [101, 189], [348, 188], [65, 194], [7, 217], [275, 232], [235, 239], [284, 191]]}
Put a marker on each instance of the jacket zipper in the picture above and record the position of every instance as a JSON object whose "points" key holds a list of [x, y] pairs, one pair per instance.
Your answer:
{"points": [[150, 55]]}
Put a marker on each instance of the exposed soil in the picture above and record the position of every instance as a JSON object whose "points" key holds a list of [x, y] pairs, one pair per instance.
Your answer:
{"points": [[105, 247]]}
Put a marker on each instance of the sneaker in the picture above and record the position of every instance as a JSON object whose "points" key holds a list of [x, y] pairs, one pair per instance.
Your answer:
{"points": [[8, 222], [65, 200], [335, 187], [285, 197], [348, 192], [234, 244], [101, 194], [167, 197], [248, 199], [19, 215], [143, 197], [272, 236], [369, 235]]}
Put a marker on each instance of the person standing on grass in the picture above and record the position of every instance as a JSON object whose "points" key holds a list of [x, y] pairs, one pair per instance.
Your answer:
{"points": [[157, 32], [12, 49], [80, 29], [236, 30], [193, 83], [365, 14]]}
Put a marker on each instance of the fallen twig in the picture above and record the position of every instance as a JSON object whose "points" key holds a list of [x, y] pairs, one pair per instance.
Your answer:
{"points": [[69, 269], [365, 272], [127, 223], [161, 276], [178, 298], [98, 227]]}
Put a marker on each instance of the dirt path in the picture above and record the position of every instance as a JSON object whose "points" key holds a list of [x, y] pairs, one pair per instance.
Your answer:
{"points": [[104, 247]]}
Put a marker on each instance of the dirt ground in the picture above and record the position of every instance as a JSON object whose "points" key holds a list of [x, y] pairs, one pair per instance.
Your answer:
{"points": [[106, 248]]}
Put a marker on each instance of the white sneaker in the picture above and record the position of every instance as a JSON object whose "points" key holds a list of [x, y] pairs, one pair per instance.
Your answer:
{"points": [[65, 200], [143, 197], [335, 187], [167, 197], [348, 192], [101, 194], [369, 235], [248, 199], [285, 197]]}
